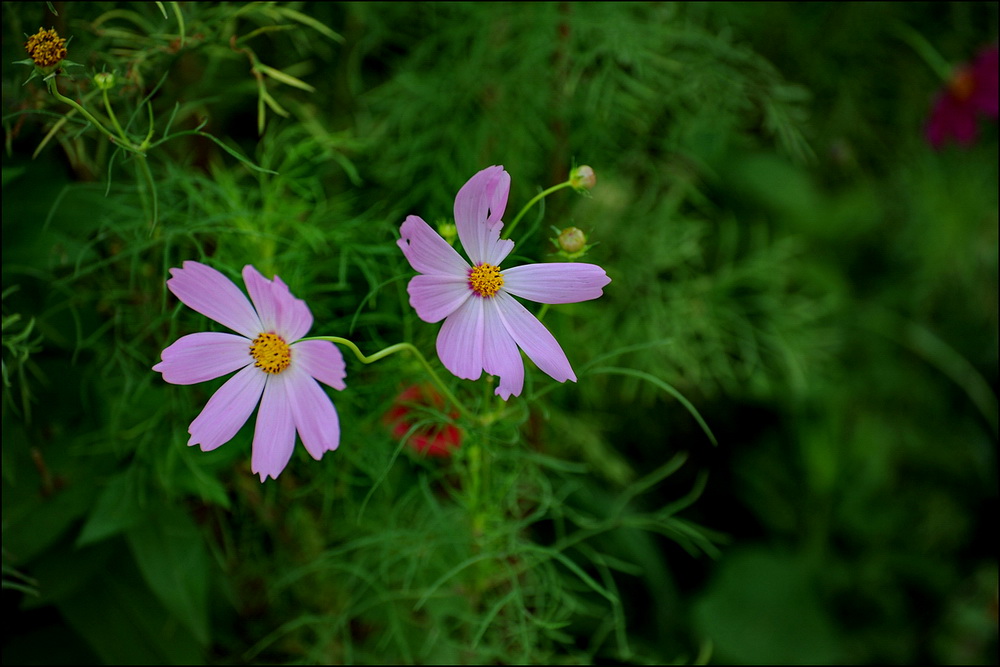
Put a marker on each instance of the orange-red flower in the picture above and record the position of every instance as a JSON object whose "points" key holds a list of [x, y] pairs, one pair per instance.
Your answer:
{"points": [[415, 407]]}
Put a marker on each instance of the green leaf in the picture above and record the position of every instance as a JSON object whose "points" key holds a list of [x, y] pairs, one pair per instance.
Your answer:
{"points": [[761, 608], [170, 552], [117, 509], [126, 624]]}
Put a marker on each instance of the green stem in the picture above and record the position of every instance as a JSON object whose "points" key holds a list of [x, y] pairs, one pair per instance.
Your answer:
{"points": [[151, 187], [392, 349], [113, 117], [930, 55], [86, 114], [534, 200], [144, 146]]}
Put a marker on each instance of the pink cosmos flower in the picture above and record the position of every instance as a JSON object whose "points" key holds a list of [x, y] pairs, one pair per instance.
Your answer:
{"points": [[971, 92], [274, 370], [483, 324]]}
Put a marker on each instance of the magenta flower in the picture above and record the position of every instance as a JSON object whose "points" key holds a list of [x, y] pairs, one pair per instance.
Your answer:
{"points": [[274, 370], [483, 324], [971, 92]]}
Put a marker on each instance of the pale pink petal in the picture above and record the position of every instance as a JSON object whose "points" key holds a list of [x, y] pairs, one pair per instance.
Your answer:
{"points": [[500, 354], [313, 412], [497, 250], [294, 318], [203, 289], [228, 409], [460, 341], [203, 356], [427, 252], [274, 435], [279, 311], [259, 288], [532, 337], [479, 205], [556, 283], [436, 297], [322, 360]]}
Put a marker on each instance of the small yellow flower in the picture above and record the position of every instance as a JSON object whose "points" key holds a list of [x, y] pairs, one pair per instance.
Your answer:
{"points": [[46, 48]]}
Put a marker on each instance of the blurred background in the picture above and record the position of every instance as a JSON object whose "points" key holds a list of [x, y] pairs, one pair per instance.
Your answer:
{"points": [[801, 231]]}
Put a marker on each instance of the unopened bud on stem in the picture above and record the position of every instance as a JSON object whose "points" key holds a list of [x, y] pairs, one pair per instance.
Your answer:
{"points": [[583, 178]]}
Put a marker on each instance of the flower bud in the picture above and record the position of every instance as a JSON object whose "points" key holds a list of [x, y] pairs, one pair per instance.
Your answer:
{"points": [[572, 243], [583, 179], [104, 80], [572, 239], [448, 231]]}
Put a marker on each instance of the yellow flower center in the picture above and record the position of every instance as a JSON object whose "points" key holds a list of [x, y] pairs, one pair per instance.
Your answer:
{"points": [[46, 48], [271, 353], [485, 280], [962, 84]]}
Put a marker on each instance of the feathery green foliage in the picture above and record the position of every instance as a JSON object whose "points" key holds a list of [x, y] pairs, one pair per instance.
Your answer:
{"points": [[786, 399]]}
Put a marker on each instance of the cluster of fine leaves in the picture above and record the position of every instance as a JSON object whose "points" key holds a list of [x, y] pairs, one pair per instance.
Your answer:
{"points": [[741, 217]]}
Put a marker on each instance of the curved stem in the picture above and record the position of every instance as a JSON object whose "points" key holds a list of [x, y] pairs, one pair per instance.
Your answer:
{"points": [[392, 349], [127, 145], [534, 200], [86, 114], [931, 56], [113, 117]]}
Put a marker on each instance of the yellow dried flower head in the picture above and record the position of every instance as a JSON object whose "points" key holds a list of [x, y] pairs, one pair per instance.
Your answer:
{"points": [[46, 48]]}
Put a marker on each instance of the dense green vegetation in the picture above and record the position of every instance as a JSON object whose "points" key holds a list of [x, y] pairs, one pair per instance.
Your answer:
{"points": [[782, 444]]}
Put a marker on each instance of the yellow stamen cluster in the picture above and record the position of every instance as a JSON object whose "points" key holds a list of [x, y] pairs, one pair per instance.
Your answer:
{"points": [[271, 353], [46, 48], [485, 280], [963, 84]]}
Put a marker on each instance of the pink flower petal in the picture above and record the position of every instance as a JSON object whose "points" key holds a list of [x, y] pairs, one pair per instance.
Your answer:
{"points": [[460, 341], [985, 99], [556, 283], [436, 297], [964, 128], [314, 414], [259, 288], [203, 356], [294, 318], [322, 360], [427, 252], [497, 250], [279, 311], [532, 337], [274, 435], [479, 206], [228, 409], [501, 356], [205, 290]]}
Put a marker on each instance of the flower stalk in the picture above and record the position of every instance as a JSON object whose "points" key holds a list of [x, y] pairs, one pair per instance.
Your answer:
{"points": [[393, 349]]}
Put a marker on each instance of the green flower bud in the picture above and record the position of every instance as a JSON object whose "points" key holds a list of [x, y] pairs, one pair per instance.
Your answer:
{"points": [[572, 243], [104, 80], [572, 239], [583, 179], [448, 231]]}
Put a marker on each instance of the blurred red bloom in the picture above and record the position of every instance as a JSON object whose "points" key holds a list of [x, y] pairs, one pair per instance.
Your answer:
{"points": [[971, 92], [415, 405]]}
